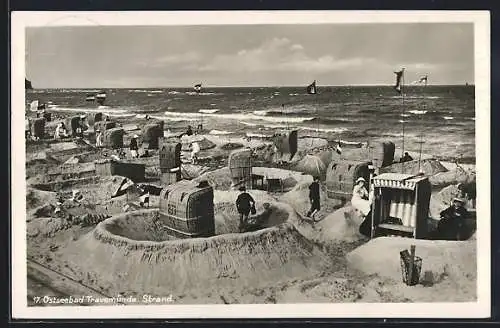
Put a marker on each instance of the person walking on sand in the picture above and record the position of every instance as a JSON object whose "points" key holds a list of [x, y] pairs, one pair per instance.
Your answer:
{"points": [[360, 197], [406, 158], [195, 149], [314, 198], [134, 148], [244, 204], [453, 221]]}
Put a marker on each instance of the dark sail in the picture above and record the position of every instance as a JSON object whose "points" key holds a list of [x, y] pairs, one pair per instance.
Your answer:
{"points": [[197, 87], [311, 88], [100, 97], [399, 78], [27, 84]]}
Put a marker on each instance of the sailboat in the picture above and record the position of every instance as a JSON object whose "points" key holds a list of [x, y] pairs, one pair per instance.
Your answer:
{"points": [[197, 87], [100, 97], [311, 88]]}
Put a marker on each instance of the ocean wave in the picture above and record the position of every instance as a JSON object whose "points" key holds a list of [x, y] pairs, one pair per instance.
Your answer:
{"points": [[241, 117], [90, 110], [208, 111], [173, 92], [448, 117], [415, 97], [327, 121], [293, 94], [404, 115], [193, 93], [219, 132], [120, 115], [213, 104], [417, 112], [327, 130]]}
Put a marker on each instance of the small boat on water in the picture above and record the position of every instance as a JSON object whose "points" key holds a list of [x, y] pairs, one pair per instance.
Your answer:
{"points": [[197, 87], [311, 88], [99, 97]]}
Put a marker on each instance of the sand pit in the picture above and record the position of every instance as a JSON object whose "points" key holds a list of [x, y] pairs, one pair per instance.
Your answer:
{"points": [[340, 226], [51, 174], [97, 195], [455, 175], [200, 265], [227, 217], [298, 198], [448, 267], [221, 180]]}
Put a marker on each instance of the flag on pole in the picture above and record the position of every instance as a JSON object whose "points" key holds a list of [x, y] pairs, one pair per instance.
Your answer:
{"points": [[399, 77]]}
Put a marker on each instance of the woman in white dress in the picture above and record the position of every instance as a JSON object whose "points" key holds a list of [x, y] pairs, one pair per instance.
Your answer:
{"points": [[361, 199]]}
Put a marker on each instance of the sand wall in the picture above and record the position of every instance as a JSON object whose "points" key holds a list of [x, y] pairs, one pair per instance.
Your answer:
{"points": [[237, 260]]}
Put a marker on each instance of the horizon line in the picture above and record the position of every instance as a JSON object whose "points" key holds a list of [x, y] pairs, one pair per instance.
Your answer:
{"points": [[258, 86]]}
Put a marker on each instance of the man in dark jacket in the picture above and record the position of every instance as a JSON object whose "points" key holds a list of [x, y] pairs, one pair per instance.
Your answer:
{"points": [[453, 221], [244, 204], [314, 198], [406, 158]]}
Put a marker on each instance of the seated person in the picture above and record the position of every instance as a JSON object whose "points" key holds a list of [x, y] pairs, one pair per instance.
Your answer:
{"points": [[60, 131], [361, 199], [452, 223], [406, 158]]}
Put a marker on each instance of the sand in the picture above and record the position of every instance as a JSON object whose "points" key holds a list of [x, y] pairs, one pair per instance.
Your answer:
{"points": [[448, 267], [288, 259]]}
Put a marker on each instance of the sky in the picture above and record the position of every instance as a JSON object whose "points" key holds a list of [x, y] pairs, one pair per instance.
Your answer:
{"points": [[248, 55]]}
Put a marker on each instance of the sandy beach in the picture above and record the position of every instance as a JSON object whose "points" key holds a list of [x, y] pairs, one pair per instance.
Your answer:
{"points": [[287, 259]]}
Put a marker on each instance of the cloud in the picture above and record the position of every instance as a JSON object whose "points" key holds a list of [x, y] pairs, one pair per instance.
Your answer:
{"points": [[280, 54], [179, 60]]}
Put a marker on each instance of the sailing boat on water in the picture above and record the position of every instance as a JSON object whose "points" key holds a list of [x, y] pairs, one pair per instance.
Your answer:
{"points": [[100, 97], [197, 87], [311, 88]]}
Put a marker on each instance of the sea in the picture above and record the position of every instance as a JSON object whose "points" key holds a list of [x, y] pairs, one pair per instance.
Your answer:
{"points": [[438, 120]]}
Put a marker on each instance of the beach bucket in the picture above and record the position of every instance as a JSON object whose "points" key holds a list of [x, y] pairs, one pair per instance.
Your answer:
{"points": [[187, 209], [405, 268]]}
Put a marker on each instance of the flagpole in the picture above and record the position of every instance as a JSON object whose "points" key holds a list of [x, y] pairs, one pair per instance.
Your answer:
{"points": [[421, 128], [403, 120]]}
